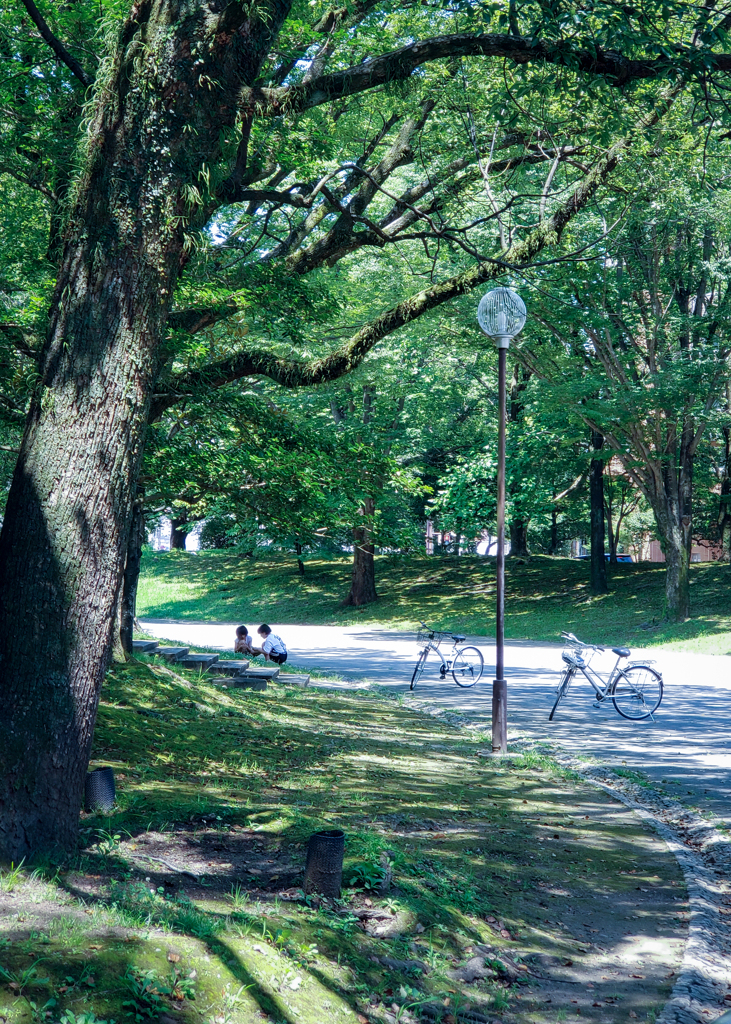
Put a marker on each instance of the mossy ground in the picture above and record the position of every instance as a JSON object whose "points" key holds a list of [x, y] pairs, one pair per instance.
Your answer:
{"points": [[567, 903], [543, 596]]}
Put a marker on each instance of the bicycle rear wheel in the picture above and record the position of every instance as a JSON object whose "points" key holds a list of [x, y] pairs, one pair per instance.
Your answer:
{"points": [[637, 692], [562, 690], [419, 668], [467, 666]]}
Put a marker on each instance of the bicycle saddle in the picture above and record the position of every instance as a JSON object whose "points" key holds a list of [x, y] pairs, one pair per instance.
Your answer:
{"points": [[458, 639], [622, 652]]}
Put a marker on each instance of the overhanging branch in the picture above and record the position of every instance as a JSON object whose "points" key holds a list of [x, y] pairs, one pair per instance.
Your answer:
{"points": [[56, 45], [294, 373], [400, 64]]}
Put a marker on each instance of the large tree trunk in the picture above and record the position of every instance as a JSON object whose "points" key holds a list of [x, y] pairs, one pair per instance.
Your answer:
{"points": [[598, 582], [363, 584], [168, 99], [131, 576], [177, 534]]}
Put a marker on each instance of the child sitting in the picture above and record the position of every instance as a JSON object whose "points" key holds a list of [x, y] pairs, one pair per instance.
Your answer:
{"points": [[243, 643]]}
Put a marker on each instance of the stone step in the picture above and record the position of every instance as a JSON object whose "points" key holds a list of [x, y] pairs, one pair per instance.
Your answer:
{"points": [[144, 646], [261, 673], [240, 683], [225, 667], [172, 653], [199, 661], [290, 679], [244, 683]]}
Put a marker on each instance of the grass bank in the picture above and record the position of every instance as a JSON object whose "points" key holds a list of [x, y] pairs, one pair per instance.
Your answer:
{"points": [[543, 596], [475, 890]]}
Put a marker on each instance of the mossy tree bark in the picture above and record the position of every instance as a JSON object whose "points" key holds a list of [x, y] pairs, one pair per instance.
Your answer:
{"points": [[159, 116]]}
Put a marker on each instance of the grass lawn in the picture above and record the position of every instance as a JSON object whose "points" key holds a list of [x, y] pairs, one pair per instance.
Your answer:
{"points": [[543, 596], [475, 889]]}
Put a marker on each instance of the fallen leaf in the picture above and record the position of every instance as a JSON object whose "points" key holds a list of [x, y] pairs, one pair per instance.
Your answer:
{"points": [[568, 963], [173, 958], [632, 1013], [636, 975]]}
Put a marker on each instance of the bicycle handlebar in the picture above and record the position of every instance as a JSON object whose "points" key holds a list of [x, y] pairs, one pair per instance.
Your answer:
{"points": [[437, 632], [574, 640]]}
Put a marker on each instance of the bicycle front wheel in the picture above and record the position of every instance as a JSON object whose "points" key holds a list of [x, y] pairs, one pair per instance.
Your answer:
{"points": [[419, 668], [562, 690], [637, 691], [467, 666]]}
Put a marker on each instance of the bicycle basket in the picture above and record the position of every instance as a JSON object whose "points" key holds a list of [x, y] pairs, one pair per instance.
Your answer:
{"points": [[423, 637]]}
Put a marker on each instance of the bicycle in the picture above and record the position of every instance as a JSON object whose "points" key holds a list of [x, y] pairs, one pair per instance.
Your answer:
{"points": [[466, 664], [635, 690]]}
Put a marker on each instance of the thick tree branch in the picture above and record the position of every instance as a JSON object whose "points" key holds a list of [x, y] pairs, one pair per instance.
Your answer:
{"points": [[293, 373], [26, 343], [573, 487], [56, 45], [197, 318], [400, 64]]}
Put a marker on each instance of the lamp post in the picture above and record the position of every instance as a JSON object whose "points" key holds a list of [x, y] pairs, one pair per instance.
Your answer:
{"points": [[501, 315]]}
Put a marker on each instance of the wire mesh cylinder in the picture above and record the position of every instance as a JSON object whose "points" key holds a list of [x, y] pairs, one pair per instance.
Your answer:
{"points": [[99, 791], [324, 868]]}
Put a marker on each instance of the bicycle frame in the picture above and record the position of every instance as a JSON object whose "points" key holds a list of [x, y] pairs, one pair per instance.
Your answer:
{"points": [[446, 662], [602, 689]]}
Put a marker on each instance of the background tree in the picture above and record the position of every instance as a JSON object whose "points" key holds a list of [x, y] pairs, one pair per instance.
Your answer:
{"points": [[643, 352]]}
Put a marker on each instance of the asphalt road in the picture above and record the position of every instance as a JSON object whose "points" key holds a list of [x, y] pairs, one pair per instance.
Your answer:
{"points": [[686, 749]]}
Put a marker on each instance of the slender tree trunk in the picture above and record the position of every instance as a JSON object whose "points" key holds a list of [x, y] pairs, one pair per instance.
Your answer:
{"points": [[300, 563], [598, 583], [553, 544], [131, 576], [724, 504], [363, 585], [169, 100], [671, 506], [519, 538]]}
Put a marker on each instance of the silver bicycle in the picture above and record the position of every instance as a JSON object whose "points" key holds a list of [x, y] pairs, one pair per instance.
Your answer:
{"points": [[466, 664], [635, 689]]}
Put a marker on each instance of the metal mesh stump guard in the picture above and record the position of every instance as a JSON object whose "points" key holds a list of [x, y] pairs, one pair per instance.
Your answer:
{"points": [[99, 791], [324, 869]]}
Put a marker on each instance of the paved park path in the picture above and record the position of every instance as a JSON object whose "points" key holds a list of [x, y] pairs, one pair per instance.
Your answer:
{"points": [[688, 745]]}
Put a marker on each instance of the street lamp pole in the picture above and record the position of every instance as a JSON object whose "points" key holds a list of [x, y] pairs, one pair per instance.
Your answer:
{"points": [[501, 315]]}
